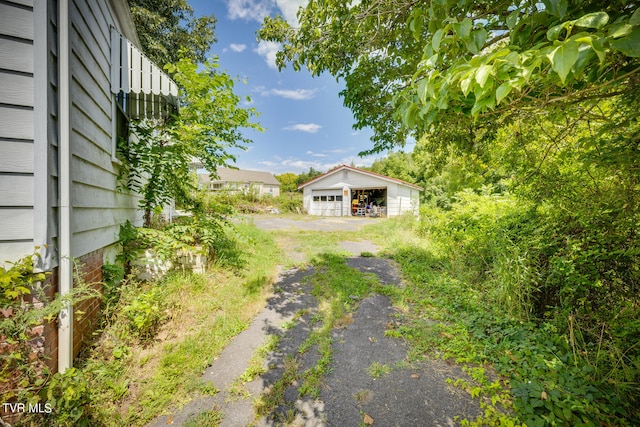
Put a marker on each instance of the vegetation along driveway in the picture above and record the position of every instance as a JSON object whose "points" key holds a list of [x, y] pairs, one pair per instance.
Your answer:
{"points": [[324, 350]]}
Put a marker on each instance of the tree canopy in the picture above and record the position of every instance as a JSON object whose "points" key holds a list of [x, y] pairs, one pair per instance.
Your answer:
{"points": [[409, 65], [210, 123], [167, 27]]}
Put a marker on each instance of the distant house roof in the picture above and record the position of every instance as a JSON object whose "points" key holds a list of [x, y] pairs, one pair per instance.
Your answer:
{"points": [[365, 172], [239, 175]]}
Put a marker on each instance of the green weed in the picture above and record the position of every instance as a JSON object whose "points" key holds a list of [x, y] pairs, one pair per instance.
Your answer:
{"points": [[211, 418], [378, 370], [471, 295], [198, 316]]}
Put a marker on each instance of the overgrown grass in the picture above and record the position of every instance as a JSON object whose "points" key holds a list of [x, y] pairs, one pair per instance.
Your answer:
{"points": [[469, 299], [136, 380], [309, 244]]}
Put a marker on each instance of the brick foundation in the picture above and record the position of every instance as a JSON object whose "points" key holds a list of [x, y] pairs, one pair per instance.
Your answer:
{"points": [[50, 331], [86, 313], [44, 338]]}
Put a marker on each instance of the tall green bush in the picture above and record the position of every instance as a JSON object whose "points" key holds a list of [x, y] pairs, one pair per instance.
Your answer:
{"points": [[550, 268]]}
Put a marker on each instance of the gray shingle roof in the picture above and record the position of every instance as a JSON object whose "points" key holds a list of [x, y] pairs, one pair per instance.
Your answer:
{"points": [[240, 175]]}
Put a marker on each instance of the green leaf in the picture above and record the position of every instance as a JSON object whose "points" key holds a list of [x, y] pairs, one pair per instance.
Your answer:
{"points": [[512, 19], [635, 18], [502, 91], [410, 115], [563, 57], [554, 32], [482, 74], [475, 44], [556, 7], [596, 43], [629, 45], [464, 29], [593, 20], [436, 39], [422, 90], [619, 30], [465, 85]]}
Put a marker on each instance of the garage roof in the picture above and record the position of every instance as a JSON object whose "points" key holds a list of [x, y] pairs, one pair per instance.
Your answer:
{"points": [[239, 175], [362, 171]]}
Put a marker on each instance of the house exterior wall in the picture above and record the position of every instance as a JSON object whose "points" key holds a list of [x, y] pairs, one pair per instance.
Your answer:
{"points": [[270, 190], [29, 135], [16, 130], [405, 199], [336, 182], [98, 209], [29, 141]]}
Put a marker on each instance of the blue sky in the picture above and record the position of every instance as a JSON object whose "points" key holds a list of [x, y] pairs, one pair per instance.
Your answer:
{"points": [[306, 124]]}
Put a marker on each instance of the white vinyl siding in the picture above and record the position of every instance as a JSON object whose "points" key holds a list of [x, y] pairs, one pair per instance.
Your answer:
{"points": [[16, 130], [327, 202], [16, 20], [98, 209]]}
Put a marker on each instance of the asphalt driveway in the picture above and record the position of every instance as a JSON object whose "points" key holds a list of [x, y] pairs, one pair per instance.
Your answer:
{"points": [[405, 393]]}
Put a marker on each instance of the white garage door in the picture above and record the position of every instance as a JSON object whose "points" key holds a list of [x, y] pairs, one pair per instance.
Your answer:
{"points": [[326, 202]]}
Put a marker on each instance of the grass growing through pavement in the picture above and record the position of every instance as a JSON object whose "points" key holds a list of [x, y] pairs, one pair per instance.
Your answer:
{"points": [[256, 368], [444, 314], [211, 418], [338, 288], [378, 370], [204, 313]]}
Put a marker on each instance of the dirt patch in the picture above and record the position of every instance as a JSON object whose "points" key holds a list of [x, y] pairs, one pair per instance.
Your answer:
{"points": [[275, 222], [359, 247]]}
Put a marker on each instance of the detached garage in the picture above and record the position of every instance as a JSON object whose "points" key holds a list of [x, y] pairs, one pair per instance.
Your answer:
{"points": [[346, 191]]}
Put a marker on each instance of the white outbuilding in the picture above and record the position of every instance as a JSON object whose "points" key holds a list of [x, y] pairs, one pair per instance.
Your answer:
{"points": [[347, 191]]}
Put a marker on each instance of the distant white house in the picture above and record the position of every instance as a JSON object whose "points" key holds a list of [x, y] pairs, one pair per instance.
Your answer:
{"points": [[346, 191], [241, 180]]}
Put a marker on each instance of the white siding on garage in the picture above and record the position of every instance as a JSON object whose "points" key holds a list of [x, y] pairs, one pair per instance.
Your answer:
{"points": [[400, 196], [404, 199], [98, 208], [16, 130], [325, 203]]}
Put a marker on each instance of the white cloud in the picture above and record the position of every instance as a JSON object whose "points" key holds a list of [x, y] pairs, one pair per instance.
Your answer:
{"points": [[237, 47], [256, 10], [311, 153], [293, 164], [268, 50], [304, 127], [295, 94], [297, 165], [289, 8], [269, 163], [250, 10]]}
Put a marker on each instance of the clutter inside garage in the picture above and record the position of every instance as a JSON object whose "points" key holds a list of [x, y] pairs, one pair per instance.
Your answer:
{"points": [[371, 202]]}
